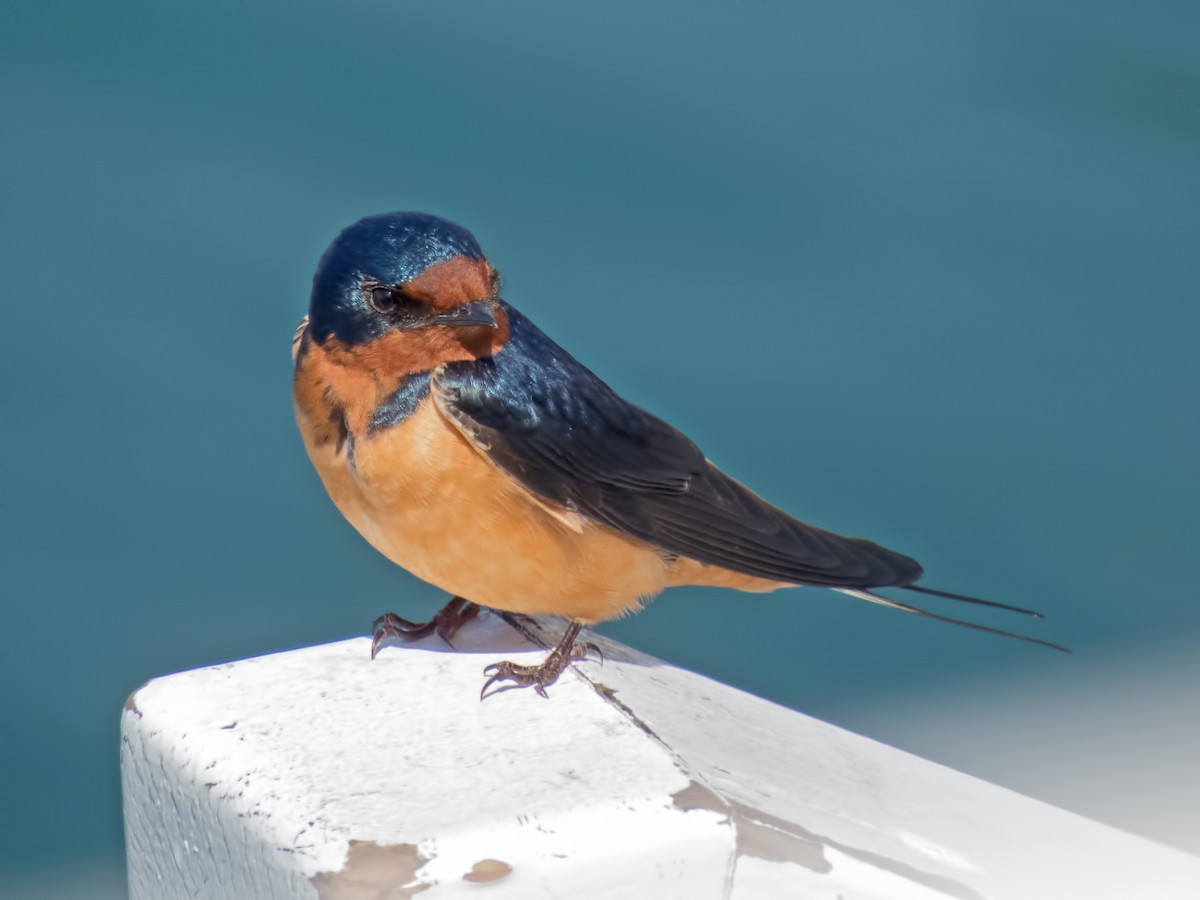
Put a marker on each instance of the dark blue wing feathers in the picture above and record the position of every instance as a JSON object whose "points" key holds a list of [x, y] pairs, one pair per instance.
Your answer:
{"points": [[566, 436]]}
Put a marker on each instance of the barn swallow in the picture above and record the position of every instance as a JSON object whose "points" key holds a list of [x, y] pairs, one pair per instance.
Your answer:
{"points": [[468, 447]]}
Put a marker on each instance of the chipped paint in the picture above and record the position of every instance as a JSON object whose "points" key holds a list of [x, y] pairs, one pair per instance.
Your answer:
{"points": [[488, 870], [773, 839], [699, 796], [131, 702], [374, 871], [776, 840]]}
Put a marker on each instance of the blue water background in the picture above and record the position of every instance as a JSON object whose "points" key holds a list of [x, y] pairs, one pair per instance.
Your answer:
{"points": [[924, 272]]}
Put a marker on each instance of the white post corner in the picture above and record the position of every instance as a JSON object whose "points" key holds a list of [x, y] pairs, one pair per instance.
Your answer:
{"points": [[319, 773]]}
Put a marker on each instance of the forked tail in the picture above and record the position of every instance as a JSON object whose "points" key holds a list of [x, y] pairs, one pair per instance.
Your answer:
{"points": [[872, 597]]}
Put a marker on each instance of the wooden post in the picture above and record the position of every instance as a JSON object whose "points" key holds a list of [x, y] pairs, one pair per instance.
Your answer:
{"points": [[319, 773]]}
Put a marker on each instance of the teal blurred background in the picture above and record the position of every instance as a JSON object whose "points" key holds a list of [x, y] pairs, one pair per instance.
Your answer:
{"points": [[925, 273]]}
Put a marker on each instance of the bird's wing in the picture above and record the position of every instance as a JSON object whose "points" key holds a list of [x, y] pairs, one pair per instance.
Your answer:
{"points": [[560, 431]]}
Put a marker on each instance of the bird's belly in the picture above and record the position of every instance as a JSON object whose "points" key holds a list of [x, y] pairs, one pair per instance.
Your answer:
{"points": [[430, 502]]}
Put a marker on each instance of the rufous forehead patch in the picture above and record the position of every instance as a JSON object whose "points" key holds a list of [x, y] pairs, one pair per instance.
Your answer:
{"points": [[451, 282]]}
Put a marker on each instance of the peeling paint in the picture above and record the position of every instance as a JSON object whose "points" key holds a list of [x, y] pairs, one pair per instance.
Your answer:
{"points": [[131, 702], [767, 841], [757, 834], [374, 872], [488, 870], [777, 840], [700, 796], [773, 839]]}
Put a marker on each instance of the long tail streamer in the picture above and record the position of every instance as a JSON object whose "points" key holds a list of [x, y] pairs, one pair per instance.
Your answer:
{"points": [[872, 597]]}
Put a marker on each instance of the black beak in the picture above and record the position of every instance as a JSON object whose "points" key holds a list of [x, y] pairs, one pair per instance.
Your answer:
{"points": [[480, 312]]}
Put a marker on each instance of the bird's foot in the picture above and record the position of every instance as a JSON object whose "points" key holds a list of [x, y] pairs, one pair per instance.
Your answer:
{"points": [[541, 677], [445, 623]]}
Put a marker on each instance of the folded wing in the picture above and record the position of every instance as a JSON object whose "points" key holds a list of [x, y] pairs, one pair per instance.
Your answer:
{"points": [[567, 437]]}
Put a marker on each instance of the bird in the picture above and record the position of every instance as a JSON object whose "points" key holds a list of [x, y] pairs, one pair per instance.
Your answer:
{"points": [[469, 448]]}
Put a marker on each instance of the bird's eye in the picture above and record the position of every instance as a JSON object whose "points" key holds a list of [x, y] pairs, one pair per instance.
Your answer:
{"points": [[383, 299]]}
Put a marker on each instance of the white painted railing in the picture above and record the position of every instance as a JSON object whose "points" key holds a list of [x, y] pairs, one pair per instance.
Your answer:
{"points": [[319, 773]]}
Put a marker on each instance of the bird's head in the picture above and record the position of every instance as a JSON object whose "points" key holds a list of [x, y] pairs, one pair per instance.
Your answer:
{"points": [[403, 292]]}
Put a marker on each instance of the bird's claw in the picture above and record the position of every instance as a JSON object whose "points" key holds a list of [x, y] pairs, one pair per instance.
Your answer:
{"points": [[390, 625], [581, 652], [541, 677], [537, 677], [445, 623]]}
